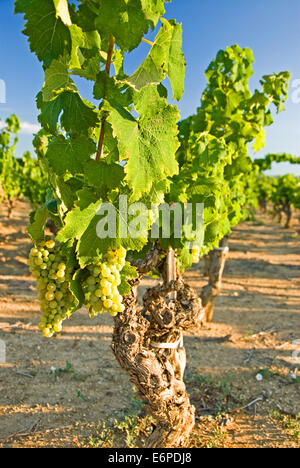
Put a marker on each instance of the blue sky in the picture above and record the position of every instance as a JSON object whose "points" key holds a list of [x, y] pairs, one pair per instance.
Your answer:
{"points": [[270, 27]]}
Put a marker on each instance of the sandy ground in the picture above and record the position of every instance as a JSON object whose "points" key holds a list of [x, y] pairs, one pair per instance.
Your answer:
{"points": [[256, 322]]}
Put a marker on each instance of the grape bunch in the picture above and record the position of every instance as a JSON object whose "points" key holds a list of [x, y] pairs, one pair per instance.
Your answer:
{"points": [[196, 254], [101, 285], [48, 265]]}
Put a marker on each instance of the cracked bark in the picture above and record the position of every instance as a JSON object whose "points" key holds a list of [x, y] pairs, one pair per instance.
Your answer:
{"points": [[158, 372]]}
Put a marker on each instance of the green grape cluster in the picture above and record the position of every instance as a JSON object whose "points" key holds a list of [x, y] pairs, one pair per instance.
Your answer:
{"points": [[48, 265], [101, 285]]}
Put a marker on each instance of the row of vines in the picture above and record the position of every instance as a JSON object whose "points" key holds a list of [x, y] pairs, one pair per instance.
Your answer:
{"points": [[19, 178]]}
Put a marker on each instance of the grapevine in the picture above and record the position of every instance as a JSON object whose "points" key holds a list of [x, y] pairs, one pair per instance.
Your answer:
{"points": [[10, 169], [130, 146], [19, 177], [282, 192]]}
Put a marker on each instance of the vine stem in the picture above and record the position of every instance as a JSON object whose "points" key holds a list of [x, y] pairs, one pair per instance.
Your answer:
{"points": [[103, 120], [148, 42]]}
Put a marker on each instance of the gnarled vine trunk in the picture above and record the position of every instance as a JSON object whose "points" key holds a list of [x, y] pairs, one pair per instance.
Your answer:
{"points": [[280, 215], [10, 207], [146, 345], [214, 268], [289, 215]]}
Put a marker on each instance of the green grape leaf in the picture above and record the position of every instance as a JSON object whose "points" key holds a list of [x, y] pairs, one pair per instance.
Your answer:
{"points": [[260, 140], [69, 155], [107, 87], [176, 62], [37, 227], [48, 36], [110, 147], [86, 53], [76, 115], [103, 176], [153, 9], [62, 11], [124, 287], [57, 78], [77, 222], [125, 20], [63, 192], [90, 245], [165, 58], [154, 68], [78, 40], [149, 143], [86, 196], [129, 271], [118, 61]]}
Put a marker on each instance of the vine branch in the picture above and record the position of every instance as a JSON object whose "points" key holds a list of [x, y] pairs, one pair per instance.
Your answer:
{"points": [[148, 42], [103, 120]]}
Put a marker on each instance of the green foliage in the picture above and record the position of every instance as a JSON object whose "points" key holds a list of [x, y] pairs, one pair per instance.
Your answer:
{"points": [[34, 181], [71, 126], [214, 163], [287, 191], [266, 163], [164, 59], [10, 168], [282, 191], [134, 129], [140, 152], [19, 177]]}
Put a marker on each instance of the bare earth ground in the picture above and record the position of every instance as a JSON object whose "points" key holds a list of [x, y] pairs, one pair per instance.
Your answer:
{"points": [[257, 319]]}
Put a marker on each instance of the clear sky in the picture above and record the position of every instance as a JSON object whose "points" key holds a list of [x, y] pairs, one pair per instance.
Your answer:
{"points": [[270, 27]]}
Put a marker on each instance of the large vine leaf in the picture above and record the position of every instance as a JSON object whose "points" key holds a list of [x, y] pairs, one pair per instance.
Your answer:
{"points": [[128, 272], [65, 155], [36, 228], [153, 9], [81, 224], [164, 59], [76, 115], [176, 62], [148, 143], [77, 221], [48, 36], [57, 78], [103, 176], [90, 246], [125, 20]]}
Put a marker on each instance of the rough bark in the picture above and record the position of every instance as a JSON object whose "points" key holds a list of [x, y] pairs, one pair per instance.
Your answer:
{"points": [[10, 207], [289, 215], [140, 343], [214, 268]]}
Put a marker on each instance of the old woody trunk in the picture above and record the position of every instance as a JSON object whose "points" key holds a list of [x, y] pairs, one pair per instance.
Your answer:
{"points": [[148, 345], [214, 268]]}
